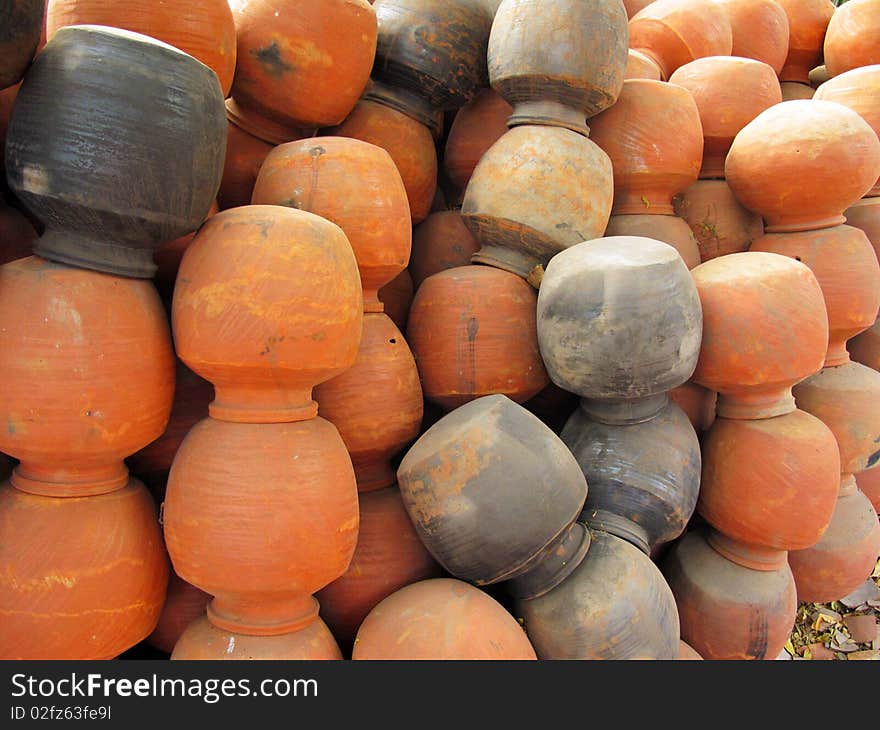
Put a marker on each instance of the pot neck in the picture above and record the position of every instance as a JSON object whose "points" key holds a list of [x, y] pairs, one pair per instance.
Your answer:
{"points": [[748, 556], [406, 102], [553, 564], [549, 114], [624, 412], [618, 526]]}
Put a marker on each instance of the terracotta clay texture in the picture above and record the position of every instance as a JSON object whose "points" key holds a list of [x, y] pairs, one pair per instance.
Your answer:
{"points": [[440, 242], [202, 28], [245, 155], [664, 228], [409, 143], [640, 66], [727, 610], [389, 556], [865, 348], [853, 37], [760, 30], [720, 223], [397, 296], [615, 605], [765, 328], [184, 604], [81, 577], [168, 257], [865, 214], [697, 402], [868, 483], [298, 326], [353, 184], [523, 211], [441, 619], [376, 404], [290, 53], [792, 141], [17, 235], [846, 268], [654, 139], [72, 417], [22, 22], [807, 23], [301, 499], [729, 92]]}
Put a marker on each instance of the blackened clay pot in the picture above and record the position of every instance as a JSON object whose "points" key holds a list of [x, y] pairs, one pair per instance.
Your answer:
{"points": [[20, 24], [493, 494], [116, 143]]}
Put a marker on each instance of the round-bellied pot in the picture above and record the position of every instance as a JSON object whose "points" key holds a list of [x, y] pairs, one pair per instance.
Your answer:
{"points": [[868, 483], [760, 30], [865, 214], [664, 228], [795, 91], [268, 304], [397, 296], [654, 139], [440, 242], [697, 402], [19, 35], [865, 348], [245, 155], [807, 22], [640, 66], [81, 577], [17, 235], [111, 161], [441, 618], [184, 603], [853, 36]]}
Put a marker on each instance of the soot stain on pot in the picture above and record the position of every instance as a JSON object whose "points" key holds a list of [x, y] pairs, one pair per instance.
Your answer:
{"points": [[270, 58]]}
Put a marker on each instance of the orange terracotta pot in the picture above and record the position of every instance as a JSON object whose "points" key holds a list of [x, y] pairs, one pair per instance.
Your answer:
{"points": [[441, 619], [760, 30], [353, 184], [80, 577], [290, 54], [184, 603], [686, 652], [665, 228], [675, 32], [409, 143], [440, 242], [397, 296], [640, 66], [730, 93], [795, 90], [17, 235], [868, 483], [865, 214], [790, 141], [846, 267], [853, 36], [201, 28], [389, 556], [377, 404], [866, 347], [765, 328], [697, 402], [245, 155], [73, 417], [473, 332], [168, 257], [264, 551], [268, 304], [807, 22], [654, 139], [720, 223]]}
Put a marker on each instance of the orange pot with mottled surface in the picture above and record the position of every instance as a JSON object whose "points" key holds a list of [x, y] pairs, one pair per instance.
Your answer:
{"points": [[441, 618], [865, 348], [81, 577], [440, 242], [807, 22], [184, 603], [760, 30], [244, 158], [666, 228], [640, 66], [376, 404], [268, 304], [473, 332], [261, 516], [868, 483], [829, 149], [353, 184], [654, 139], [853, 36], [765, 328], [697, 402], [397, 296]]}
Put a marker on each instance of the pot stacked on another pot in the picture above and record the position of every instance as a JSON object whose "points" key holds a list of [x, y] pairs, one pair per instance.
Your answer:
{"points": [[807, 22]]}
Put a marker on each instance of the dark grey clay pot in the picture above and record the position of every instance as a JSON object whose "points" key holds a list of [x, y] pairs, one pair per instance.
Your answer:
{"points": [[20, 24]]}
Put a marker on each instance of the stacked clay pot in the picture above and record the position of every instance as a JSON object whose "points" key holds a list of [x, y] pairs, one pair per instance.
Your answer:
{"points": [[769, 471], [729, 93], [89, 365], [853, 37], [495, 496], [760, 30], [654, 139], [807, 23]]}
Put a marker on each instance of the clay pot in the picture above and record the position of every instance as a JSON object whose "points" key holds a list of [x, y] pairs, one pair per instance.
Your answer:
{"points": [[760, 30], [441, 619], [615, 605], [354, 185], [168, 257], [301, 499], [859, 90], [73, 417], [846, 268], [440, 242], [633, 288], [154, 159], [486, 507], [377, 404], [22, 22], [853, 37], [771, 482], [865, 214], [654, 139], [865, 348], [868, 483], [576, 75], [537, 191], [202, 28], [676, 32], [727, 609], [298, 325], [409, 143], [477, 126], [698, 404], [807, 22], [202, 640], [795, 91], [643, 475], [845, 556], [289, 55], [473, 333], [388, 557], [730, 93], [183, 605], [397, 296], [82, 577], [664, 228], [640, 66], [765, 328], [718, 220], [687, 653], [245, 155], [17, 235]]}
